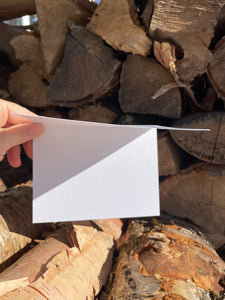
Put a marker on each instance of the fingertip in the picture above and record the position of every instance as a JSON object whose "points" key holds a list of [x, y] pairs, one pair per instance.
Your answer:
{"points": [[13, 156], [35, 129]]}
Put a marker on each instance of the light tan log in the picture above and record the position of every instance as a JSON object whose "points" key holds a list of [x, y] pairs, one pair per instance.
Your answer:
{"points": [[189, 27], [27, 48], [113, 22], [164, 262], [52, 17], [74, 273], [197, 193], [16, 228], [27, 87], [16, 8], [110, 226]]}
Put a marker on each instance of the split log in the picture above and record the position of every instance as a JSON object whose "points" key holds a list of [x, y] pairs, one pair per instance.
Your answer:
{"points": [[93, 113], [206, 145], [27, 86], [169, 155], [113, 22], [197, 193], [110, 226], [73, 273], [52, 17], [216, 68], [188, 27], [11, 9], [165, 262], [16, 228], [88, 70], [27, 48], [148, 88]]}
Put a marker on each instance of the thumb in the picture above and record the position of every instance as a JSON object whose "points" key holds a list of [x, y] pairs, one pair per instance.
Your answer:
{"points": [[18, 134]]}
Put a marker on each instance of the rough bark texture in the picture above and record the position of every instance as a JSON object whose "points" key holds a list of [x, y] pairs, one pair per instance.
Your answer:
{"points": [[113, 22], [164, 262], [197, 193], [88, 70], [139, 93], [74, 273], [189, 27], [16, 228]]}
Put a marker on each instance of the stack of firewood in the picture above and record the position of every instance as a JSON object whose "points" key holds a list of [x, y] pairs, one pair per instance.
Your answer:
{"points": [[123, 62]]}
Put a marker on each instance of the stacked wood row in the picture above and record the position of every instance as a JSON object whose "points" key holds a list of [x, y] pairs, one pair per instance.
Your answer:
{"points": [[126, 62]]}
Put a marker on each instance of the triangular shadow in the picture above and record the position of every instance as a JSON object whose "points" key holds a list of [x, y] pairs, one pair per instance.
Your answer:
{"points": [[75, 149]]}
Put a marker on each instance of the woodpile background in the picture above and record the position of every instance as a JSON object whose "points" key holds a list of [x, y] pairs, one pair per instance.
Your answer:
{"points": [[123, 62]]}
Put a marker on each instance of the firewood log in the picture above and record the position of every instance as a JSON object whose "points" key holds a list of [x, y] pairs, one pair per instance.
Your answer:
{"points": [[93, 113], [16, 228], [164, 262], [188, 27], [113, 22], [27, 48], [70, 273], [52, 17], [27, 86], [197, 193], [205, 145], [216, 68], [88, 70], [148, 88], [11, 9], [169, 155]]}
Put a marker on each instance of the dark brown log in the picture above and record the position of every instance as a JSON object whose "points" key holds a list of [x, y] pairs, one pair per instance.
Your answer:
{"points": [[88, 70], [93, 113], [52, 17], [16, 8], [148, 88], [189, 27], [113, 22], [216, 68], [169, 155], [197, 193], [205, 145], [165, 262]]}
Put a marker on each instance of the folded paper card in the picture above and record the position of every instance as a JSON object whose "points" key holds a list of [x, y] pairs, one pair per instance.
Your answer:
{"points": [[84, 170]]}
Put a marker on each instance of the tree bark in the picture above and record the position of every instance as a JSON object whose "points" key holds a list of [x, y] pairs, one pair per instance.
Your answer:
{"points": [[164, 262]]}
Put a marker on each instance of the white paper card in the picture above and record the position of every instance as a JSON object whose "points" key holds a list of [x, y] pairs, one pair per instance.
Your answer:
{"points": [[84, 170]]}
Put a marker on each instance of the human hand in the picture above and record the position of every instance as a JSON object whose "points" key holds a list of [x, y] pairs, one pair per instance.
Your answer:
{"points": [[14, 131]]}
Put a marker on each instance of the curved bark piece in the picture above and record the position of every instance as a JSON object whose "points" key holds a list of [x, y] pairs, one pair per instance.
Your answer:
{"points": [[88, 70], [72, 273], [164, 262], [148, 88], [208, 146], [113, 22], [16, 228], [190, 28], [197, 193]]}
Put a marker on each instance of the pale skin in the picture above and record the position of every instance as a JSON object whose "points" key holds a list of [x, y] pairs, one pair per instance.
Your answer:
{"points": [[16, 131]]}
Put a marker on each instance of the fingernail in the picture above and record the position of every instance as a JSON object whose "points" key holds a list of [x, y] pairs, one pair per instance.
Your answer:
{"points": [[36, 129]]}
